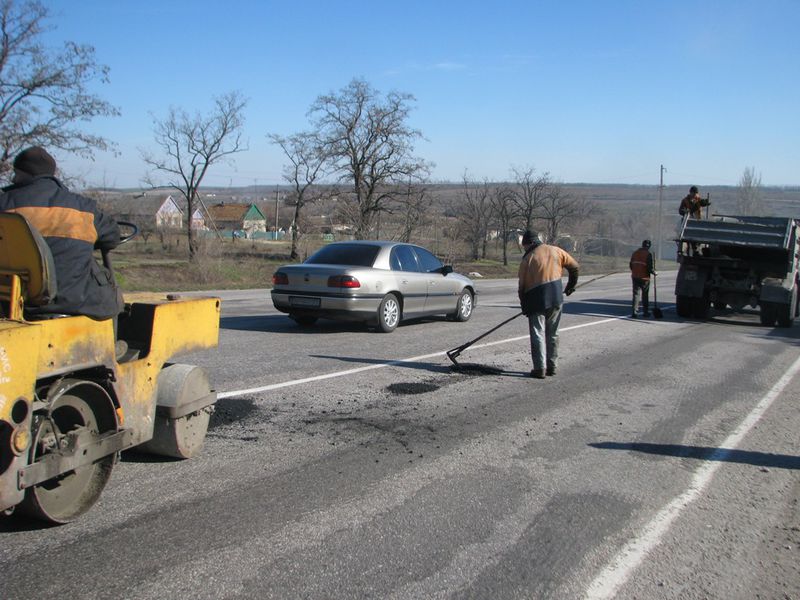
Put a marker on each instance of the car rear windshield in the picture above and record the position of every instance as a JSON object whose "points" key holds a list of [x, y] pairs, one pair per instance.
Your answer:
{"points": [[355, 255]]}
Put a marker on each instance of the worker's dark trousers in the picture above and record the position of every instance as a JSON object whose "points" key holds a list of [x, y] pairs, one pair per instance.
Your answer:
{"points": [[544, 337], [641, 291]]}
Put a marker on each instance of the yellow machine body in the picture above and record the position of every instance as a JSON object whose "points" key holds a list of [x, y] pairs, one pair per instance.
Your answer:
{"points": [[45, 360]]}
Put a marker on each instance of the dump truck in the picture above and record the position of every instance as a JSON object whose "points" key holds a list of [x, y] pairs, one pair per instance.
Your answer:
{"points": [[733, 262], [73, 395]]}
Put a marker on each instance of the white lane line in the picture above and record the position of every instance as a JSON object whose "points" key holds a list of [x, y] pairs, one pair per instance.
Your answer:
{"points": [[618, 571], [293, 382]]}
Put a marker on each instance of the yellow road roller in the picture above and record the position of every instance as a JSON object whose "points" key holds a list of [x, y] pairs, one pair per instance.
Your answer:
{"points": [[71, 400]]}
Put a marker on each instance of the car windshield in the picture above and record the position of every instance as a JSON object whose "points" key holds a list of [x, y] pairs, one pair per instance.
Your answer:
{"points": [[355, 255]]}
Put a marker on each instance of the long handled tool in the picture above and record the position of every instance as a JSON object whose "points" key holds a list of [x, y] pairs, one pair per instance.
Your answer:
{"points": [[656, 311], [455, 352]]}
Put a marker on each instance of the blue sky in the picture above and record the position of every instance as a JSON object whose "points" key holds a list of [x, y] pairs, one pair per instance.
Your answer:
{"points": [[589, 91]]}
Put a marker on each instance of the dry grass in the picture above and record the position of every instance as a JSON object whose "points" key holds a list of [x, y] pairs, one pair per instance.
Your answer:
{"points": [[157, 266]]}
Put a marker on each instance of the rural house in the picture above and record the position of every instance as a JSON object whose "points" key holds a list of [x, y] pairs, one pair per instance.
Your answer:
{"points": [[155, 213], [149, 213], [246, 218]]}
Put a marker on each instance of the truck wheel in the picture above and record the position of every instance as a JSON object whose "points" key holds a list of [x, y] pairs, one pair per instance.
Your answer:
{"points": [[767, 314], [683, 306], [66, 497], [700, 307], [785, 318]]}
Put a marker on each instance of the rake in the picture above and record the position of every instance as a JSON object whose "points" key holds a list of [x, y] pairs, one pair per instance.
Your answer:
{"points": [[455, 352]]}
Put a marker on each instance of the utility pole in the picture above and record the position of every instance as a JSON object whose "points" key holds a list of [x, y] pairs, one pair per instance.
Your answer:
{"points": [[660, 194], [276, 213]]}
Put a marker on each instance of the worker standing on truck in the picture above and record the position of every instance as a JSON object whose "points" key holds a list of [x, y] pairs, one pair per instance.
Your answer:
{"points": [[692, 204], [541, 297], [642, 266], [73, 226]]}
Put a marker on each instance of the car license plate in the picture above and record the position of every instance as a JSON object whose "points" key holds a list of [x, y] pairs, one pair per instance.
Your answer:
{"points": [[304, 301]]}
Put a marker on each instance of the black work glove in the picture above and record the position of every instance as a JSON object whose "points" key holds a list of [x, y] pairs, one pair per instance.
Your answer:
{"points": [[569, 291]]}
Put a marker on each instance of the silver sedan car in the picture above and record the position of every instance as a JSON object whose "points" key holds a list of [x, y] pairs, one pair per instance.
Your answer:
{"points": [[380, 283]]}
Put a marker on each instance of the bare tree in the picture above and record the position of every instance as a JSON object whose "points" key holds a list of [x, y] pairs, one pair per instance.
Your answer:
{"points": [[307, 161], [473, 214], [748, 197], [561, 207], [529, 193], [43, 94], [370, 144], [414, 204], [502, 202], [190, 145]]}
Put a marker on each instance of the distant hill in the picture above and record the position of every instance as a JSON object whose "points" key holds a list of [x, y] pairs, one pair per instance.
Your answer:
{"points": [[783, 201]]}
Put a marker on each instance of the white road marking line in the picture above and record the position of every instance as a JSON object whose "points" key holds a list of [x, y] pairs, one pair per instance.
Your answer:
{"points": [[618, 571], [293, 382]]}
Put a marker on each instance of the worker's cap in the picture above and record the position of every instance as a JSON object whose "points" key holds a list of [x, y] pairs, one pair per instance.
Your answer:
{"points": [[531, 237], [35, 161], [693, 189], [646, 244]]}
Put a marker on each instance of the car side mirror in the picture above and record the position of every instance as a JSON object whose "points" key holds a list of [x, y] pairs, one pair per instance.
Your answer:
{"points": [[446, 269]]}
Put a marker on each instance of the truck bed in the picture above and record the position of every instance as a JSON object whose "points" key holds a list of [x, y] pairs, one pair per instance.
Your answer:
{"points": [[768, 233]]}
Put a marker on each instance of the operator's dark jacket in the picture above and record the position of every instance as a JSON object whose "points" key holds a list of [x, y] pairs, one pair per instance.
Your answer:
{"points": [[73, 227]]}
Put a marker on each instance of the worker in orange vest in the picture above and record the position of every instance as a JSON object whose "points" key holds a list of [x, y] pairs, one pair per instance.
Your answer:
{"points": [[642, 266]]}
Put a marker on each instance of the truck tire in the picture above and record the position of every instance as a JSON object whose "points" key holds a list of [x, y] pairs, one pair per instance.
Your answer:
{"points": [[700, 307], [767, 314], [786, 312], [683, 306], [785, 315]]}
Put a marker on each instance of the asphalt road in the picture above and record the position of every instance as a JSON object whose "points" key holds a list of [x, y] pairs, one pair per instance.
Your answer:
{"points": [[660, 462]]}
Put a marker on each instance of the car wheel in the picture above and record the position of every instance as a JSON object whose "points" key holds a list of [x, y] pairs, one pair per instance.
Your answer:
{"points": [[303, 321], [389, 313], [463, 307]]}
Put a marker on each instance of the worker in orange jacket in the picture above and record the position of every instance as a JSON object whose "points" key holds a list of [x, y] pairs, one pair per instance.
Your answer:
{"points": [[541, 295], [692, 204], [642, 266]]}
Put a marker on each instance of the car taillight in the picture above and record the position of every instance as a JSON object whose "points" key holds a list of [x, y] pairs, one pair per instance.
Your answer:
{"points": [[280, 279], [343, 281]]}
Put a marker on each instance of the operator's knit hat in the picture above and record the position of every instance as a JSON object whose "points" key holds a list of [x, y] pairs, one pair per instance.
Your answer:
{"points": [[35, 161], [531, 237]]}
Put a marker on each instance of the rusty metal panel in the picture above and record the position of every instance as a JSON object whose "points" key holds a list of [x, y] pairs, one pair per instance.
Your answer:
{"points": [[752, 232]]}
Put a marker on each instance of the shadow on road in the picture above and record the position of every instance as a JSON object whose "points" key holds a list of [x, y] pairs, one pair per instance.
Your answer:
{"points": [[746, 457], [284, 324], [463, 368]]}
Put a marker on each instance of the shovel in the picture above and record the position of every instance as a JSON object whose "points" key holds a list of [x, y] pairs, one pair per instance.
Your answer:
{"points": [[657, 313]]}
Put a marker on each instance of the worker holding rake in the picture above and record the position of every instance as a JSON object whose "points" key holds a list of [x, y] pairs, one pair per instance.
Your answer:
{"points": [[541, 295]]}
